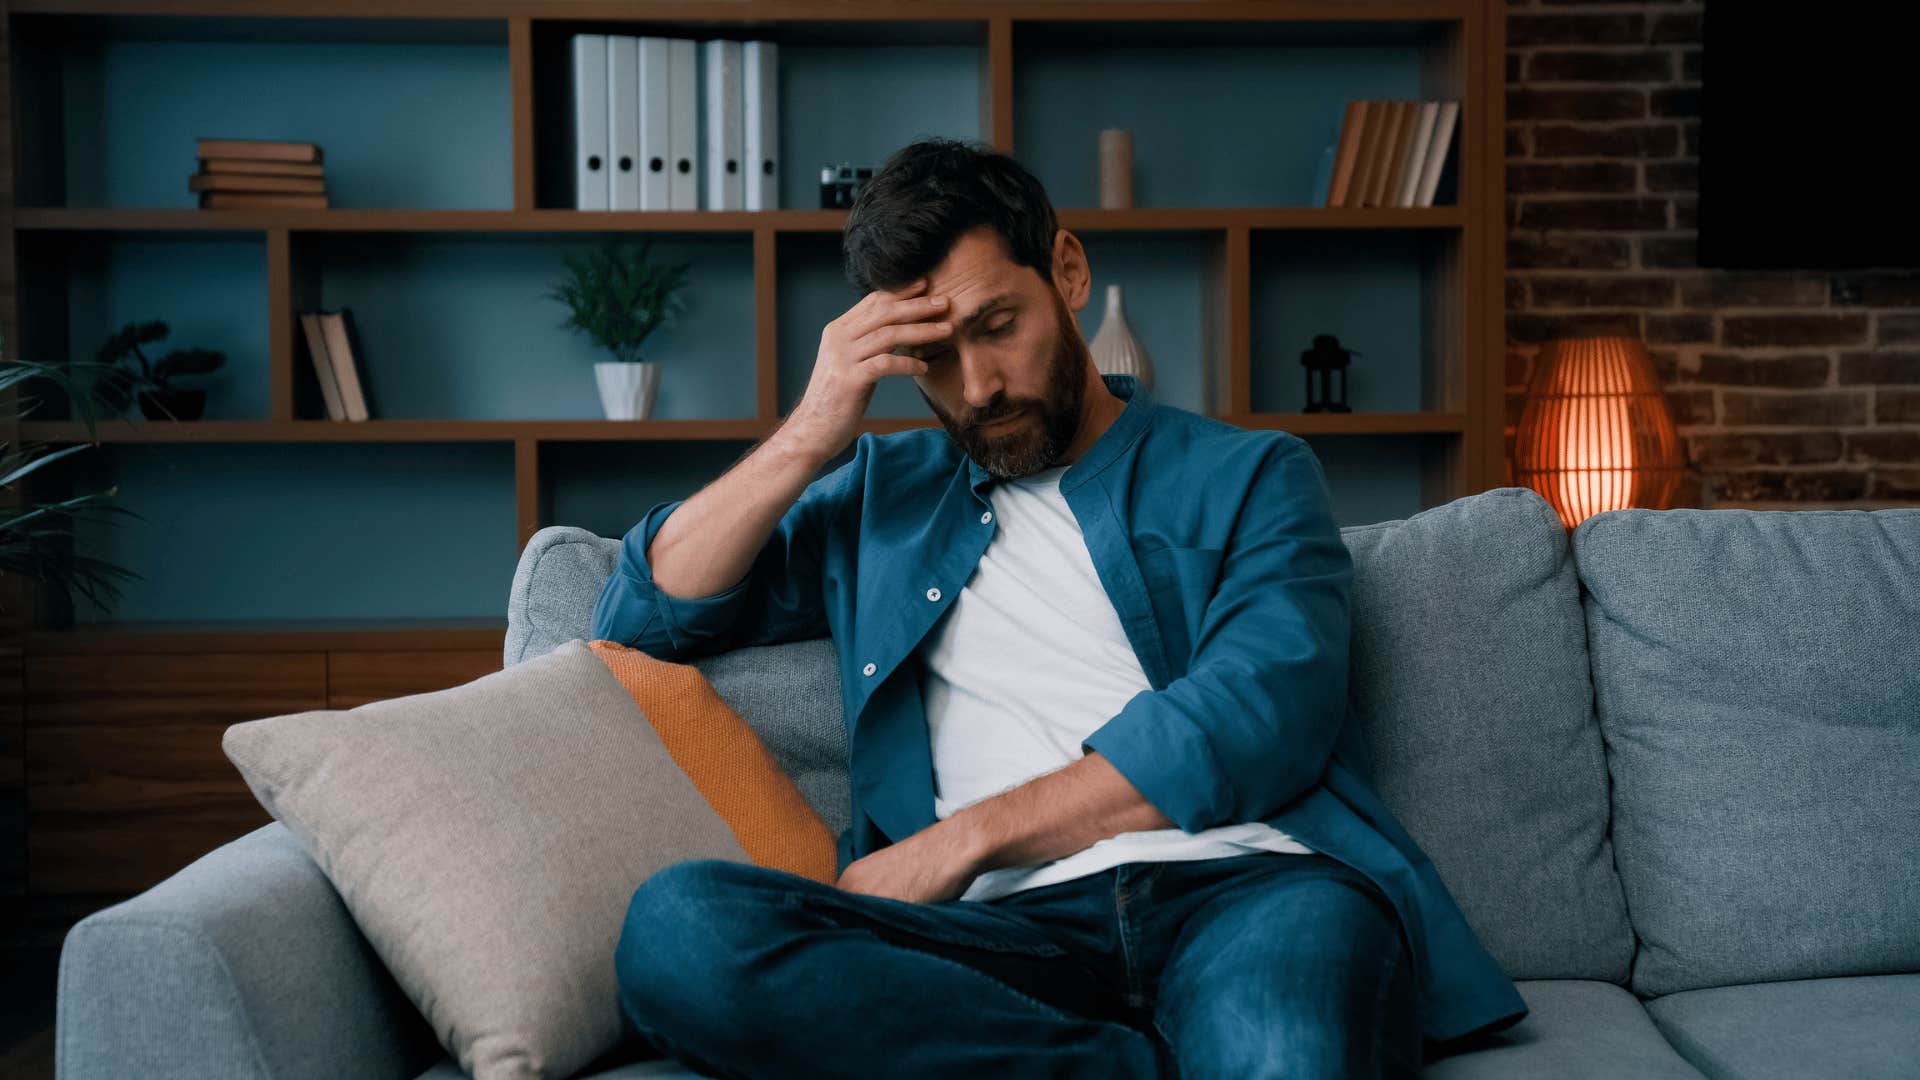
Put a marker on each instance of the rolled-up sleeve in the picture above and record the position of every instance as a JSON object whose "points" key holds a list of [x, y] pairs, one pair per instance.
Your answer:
{"points": [[1252, 723], [778, 599]]}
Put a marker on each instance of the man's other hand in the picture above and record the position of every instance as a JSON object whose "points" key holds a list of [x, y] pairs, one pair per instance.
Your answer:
{"points": [[937, 863]]}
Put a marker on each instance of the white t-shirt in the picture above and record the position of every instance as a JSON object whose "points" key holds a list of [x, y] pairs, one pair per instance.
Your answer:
{"points": [[1030, 659]]}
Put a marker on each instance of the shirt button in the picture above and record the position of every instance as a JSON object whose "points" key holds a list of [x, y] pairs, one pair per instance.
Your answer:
{"points": [[986, 516], [869, 669], [933, 594]]}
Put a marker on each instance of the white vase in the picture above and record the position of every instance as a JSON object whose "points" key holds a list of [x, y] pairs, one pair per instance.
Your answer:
{"points": [[1115, 350], [627, 387]]}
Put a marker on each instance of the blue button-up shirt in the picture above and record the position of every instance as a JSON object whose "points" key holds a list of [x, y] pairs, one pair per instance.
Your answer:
{"points": [[1218, 548]]}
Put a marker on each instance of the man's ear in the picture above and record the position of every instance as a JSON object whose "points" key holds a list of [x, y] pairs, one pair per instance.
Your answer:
{"points": [[1072, 277]]}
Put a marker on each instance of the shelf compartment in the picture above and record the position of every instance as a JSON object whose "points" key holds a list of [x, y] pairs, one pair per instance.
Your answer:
{"points": [[1390, 295], [77, 290], [1374, 478], [495, 347], [1278, 91], [290, 532], [850, 90], [96, 134], [606, 489]]}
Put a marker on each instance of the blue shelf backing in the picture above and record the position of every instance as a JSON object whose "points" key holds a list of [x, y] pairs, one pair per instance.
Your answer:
{"points": [[210, 290], [606, 487], [860, 103], [1213, 125], [1375, 478], [403, 123], [1166, 292], [1365, 287], [304, 531], [457, 326]]}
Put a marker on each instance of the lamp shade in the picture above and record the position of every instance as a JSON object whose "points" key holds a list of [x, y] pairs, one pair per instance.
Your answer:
{"points": [[1595, 432]]}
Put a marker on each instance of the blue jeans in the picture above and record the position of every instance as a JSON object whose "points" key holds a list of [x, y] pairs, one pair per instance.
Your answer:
{"points": [[1266, 964]]}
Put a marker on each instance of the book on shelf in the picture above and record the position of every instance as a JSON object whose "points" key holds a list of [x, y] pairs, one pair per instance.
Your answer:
{"points": [[261, 150], [252, 167], [635, 130], [1391, 153], [322, 365], [255, 200], [251, 182], [240, 174], [330, 338]]}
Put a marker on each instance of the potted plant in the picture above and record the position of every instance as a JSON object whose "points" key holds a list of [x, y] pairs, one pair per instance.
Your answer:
{"points": [[151, 382], [617, 299], [36, 541]]}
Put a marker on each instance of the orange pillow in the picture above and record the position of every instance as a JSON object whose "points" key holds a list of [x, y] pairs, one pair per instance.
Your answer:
{"points": [[728, 764]]}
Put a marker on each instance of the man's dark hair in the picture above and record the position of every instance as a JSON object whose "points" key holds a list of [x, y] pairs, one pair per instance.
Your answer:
{"points": [[908, 215]]}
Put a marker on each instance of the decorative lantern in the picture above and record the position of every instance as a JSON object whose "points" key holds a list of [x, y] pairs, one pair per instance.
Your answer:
{"points": [[1595, 432], [1325, 360]]}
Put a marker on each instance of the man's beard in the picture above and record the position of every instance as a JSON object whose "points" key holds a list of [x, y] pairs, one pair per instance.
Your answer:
{"points": [[1045, 428]]}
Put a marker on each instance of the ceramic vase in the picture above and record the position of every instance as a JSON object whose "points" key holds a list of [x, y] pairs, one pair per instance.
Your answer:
{"points": [[627, 388], [1116, 351]]}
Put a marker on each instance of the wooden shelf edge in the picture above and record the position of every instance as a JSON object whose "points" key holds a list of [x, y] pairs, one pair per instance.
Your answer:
{"points": [[272, 635], [793, 222], [1355, 423], [758, 10]]}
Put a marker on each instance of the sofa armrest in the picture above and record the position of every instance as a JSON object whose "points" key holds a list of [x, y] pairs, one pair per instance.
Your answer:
{"points": [[245, 963]]}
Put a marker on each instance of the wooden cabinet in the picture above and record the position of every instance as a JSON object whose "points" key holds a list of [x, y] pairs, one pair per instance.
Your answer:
{"points": [[125, 779]]}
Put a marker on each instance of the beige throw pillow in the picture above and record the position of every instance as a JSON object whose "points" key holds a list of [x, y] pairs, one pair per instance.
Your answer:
{"points": [[487, 839]]}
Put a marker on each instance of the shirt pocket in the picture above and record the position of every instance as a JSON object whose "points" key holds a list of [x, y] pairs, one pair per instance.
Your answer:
{"points": [[1180, 582]]}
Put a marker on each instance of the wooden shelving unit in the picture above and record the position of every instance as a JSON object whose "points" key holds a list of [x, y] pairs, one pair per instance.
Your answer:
{"points": [[1459, 40]]}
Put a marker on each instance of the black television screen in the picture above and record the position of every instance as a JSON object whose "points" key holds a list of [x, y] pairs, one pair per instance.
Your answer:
{"points": [[1807, 131]]}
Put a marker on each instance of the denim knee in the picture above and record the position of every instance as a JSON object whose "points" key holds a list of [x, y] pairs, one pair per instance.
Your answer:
{"points": [[673, 943]]}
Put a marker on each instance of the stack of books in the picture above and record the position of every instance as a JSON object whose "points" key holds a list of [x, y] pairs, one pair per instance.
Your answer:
{"points": [[252, 173], [1392, 152], [330, 337]]}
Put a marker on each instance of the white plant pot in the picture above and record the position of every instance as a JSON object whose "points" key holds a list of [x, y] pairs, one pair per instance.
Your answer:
{"points": [[627, 388]]}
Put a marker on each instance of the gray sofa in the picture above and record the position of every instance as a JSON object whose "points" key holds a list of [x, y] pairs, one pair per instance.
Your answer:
{"points": [[1669, 767]]}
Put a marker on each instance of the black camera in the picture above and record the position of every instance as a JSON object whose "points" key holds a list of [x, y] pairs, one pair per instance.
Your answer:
{"points": [[839, 186]]}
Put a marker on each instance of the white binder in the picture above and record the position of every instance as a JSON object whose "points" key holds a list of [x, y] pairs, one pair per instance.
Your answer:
{"points": [[589, 64], [654, 162], [623, 122], [760, 94], [1437, 152], [683, 131], [726, 187]]}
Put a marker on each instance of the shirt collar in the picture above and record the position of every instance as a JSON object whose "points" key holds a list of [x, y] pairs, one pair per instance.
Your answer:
{"points": [[1111, 444]]}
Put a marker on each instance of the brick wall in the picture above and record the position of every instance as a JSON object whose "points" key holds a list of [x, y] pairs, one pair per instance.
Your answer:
{"points": [[1791, 388]]}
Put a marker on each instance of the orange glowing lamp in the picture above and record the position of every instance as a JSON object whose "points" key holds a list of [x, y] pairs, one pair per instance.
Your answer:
{"points": [[1595, 432]]}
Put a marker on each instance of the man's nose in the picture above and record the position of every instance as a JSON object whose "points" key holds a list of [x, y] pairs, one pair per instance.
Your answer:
{"points": [[980, 378]]}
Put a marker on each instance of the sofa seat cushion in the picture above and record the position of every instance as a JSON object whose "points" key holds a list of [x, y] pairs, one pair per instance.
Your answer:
{"points": [[1755, 679], [1469, 688], [1574, 1028], [1862, 1027]]}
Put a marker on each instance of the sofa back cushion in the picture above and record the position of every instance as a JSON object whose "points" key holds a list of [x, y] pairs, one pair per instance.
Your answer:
{"points": [[789, 694], [1759, 693], [1469, 683]]}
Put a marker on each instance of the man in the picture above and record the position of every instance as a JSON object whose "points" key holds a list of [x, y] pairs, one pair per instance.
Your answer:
{"points": [[1093, 657]]}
